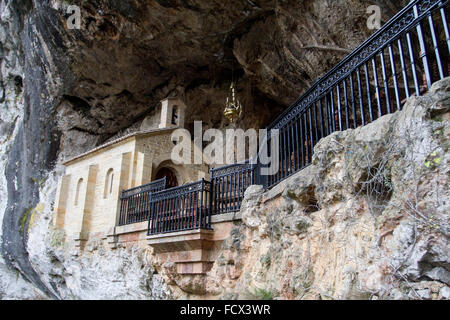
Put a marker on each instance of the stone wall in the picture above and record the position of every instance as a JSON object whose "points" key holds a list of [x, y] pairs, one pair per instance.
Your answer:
{"points": [[95, 212], [87, 207], [159, 149]]}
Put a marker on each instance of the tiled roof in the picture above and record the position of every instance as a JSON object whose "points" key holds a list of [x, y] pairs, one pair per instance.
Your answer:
{"points": [[135, 134]]}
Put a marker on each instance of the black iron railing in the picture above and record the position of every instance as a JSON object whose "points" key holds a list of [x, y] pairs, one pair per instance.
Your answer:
{"points": [[134, 204], [229, 184], [402, 59], [181, 208]]}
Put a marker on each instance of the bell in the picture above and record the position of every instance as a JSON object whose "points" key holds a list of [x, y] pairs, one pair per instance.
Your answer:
{"points": [[233, 108]]}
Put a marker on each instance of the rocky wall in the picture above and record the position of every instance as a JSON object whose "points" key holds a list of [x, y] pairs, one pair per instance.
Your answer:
{"points": [[369, 219]]}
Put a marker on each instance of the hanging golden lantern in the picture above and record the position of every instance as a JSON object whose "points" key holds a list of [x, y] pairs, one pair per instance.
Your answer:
{"points": [[233, 107]]}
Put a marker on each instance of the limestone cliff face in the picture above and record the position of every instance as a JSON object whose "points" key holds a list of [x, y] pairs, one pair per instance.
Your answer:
{"points": [[65, 91], [367, 220]]}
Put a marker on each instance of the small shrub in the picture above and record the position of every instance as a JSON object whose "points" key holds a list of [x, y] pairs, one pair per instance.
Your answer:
{"points": [[263, 294]]}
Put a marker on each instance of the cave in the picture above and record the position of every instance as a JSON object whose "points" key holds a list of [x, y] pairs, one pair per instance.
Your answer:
{"points": [[72, 93]]}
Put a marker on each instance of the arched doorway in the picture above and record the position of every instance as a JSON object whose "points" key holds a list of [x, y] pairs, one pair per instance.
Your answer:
{"points": [[171, 178]]}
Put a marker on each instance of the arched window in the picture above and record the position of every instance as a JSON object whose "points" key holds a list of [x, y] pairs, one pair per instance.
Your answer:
{"points": [[78, 191], [109, 183]]}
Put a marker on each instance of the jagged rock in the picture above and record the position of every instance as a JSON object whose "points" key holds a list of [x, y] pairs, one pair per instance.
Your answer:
{"points": [[445, 293], [64, 91], [439, 274], [300, 224], [357, 244], [249, 206], [423, 294]]}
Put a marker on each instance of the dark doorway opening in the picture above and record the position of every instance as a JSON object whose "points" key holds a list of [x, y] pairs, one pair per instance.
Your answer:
{"points": [[171, 178]]}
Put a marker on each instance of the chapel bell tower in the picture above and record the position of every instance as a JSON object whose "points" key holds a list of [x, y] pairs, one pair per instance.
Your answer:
{"points": [[172, 113]]}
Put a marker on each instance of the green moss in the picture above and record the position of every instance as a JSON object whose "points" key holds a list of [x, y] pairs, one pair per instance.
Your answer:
{"points": [[433, 160], [439, 132], [24, 219], [263, 294], [39, 181], [291, 194], [438, 118], [29, 216]]}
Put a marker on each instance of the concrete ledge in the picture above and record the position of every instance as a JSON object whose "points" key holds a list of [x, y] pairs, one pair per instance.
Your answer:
{"points": [[182, 240], [279, 188], [225, 217], [194, 267], [197, 255], [142, 226], [129, 228], [190, 250], [193, 251], [180, 233], [276, 191]]}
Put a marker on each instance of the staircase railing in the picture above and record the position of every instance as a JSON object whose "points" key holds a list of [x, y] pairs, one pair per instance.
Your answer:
{"points": [[403, 58]]}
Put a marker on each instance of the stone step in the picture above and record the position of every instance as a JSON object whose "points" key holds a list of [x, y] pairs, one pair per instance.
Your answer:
{"points": [[194, 267], [182, 241], [196, 255]]}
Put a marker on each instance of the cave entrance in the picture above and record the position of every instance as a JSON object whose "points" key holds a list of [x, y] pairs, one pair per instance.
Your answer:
{"points": [[171, 178]]}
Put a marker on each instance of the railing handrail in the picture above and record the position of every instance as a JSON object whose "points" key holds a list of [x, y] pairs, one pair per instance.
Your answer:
{"points": [[221, 171], [179, 190], [358, 50], [229, 165], [157, 184], [167, 214], [133, 206]]}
